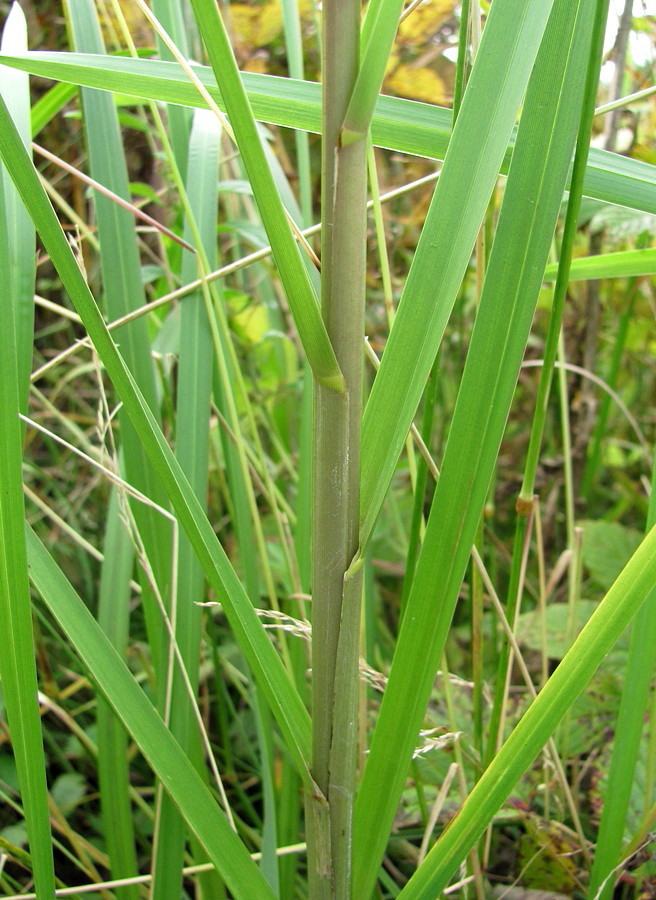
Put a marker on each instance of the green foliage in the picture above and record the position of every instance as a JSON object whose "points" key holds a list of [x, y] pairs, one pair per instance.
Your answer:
{"points": [[555, 630], [607, 547], [545, 863]]}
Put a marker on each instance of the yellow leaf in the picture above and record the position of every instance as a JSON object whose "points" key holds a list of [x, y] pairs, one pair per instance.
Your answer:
{"points": [[423, 22], [269, 23], [416, 84], [306, 10], [255, 26], [251, 324]]}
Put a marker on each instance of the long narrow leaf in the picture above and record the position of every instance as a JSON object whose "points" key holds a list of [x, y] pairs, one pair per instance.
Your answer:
{"points": [[403, 125], [17, 667], [113, 766], [170, 14], [531, 204], [51, 103], [160, 748], [629, 730], [194, 388], [605, 626], [123, 291], [624, 264], [276, 687], [480, 137], [20, 236], [378, 38], [294, 275]]}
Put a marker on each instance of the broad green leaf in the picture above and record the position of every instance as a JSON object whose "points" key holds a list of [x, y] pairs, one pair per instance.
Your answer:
{"points": [[557, 627], [403, 125], [531, 204], [167, 759], [269, 673], [624, 264], [538, 723], [69, 790]]}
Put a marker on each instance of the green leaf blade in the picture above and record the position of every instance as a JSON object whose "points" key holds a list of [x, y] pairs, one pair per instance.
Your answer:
{"points": [[113, 766], [123, 291], [249, 632], [539, 722], [159, 747], [531, 204], [478, 144], [294, 275], [20, 236], [194, 388], [406, 126], [17, 665], [623, 264]]}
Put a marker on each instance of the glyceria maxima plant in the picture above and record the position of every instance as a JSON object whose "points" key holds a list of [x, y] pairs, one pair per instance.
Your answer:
{"points": [[239, 472]]}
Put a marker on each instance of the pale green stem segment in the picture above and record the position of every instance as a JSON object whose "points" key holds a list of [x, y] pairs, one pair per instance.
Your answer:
{"points": [[17, 665], [162, 751], [480, 136], [531, 204], [282, 697], [336, 466], [616, 610], [296, 281], [421, 129]]}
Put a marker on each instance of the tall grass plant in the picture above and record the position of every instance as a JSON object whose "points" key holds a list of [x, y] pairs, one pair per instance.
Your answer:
{"points": [[249, 465]]}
